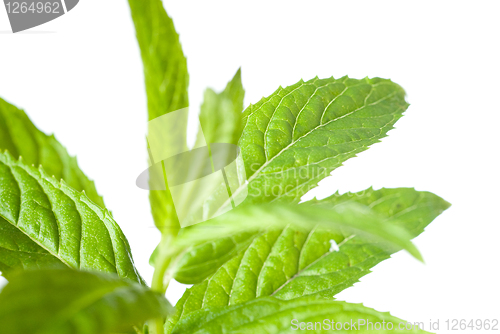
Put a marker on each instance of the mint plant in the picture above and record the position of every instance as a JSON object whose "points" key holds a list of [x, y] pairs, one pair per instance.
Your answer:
{"points": [[258, 267]]}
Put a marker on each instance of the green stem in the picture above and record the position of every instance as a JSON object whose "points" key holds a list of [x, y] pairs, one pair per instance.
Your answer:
{"points": [[137, 330], [162, 263], [158, 284], [156, 326]]}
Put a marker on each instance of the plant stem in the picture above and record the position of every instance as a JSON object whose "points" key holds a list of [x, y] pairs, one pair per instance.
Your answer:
{"points": [[158, 284], [137, 330]]}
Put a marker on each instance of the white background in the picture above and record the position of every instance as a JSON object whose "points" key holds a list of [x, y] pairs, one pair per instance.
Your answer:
{"points": [[80, 77]]}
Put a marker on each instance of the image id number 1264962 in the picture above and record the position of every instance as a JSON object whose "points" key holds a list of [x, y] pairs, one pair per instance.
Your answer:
{"points": [[34, 7], [474, 324]]}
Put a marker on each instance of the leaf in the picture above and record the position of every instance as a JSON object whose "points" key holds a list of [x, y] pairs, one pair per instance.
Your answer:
{"points": [[271, 315], [221, 113], [413, 210], [298, 135], [165, 66], [351, 216], [20, 137], [167, 80], [290, 263], [60, 301], [220, 119], [46, 222]]}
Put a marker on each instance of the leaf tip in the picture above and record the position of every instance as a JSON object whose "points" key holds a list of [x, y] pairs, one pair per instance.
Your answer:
{"points": [[415, 253], [445, 204]]}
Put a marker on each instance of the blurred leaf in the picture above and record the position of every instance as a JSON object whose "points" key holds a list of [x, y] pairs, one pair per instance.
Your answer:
{"points": [[63, 301], [221, 113], [167, 79], [349, 216], [165, 66]]}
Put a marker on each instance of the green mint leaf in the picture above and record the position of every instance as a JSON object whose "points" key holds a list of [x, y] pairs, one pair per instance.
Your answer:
{"points": [[295, 137], [271, 315], [290, 263], [46, 222], [165, 66], [212, 249], [220, 119], [167, 80], [349, 216], [20, 137], [403, 207], [63, 301], [221, 113]]}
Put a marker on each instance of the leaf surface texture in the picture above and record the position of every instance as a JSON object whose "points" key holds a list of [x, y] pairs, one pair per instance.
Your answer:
{"points": [[299, 134], [46, 222], [270, 315], [289, 263]]}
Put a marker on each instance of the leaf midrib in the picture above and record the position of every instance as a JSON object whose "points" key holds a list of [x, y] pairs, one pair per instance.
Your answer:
{"points": [[35, 241]]}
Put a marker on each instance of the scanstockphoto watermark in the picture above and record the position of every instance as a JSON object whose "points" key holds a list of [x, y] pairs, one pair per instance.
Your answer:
{"points": [[280, 181], [210, 179], [288, 181], [464, 325], [354, 325]]}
